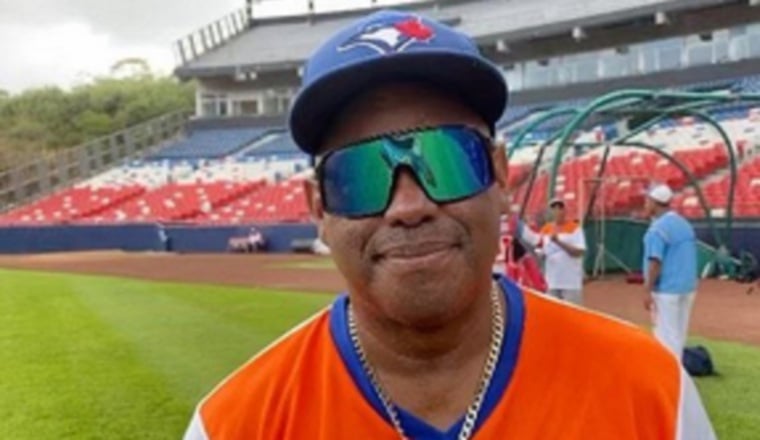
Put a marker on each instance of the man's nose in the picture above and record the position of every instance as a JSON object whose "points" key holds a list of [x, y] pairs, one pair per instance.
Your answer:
{"points": [[409, 205]]}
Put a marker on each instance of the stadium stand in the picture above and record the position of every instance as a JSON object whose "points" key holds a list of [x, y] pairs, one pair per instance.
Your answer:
{"points": [[279, 202], [147, 174], [196, 190], [219, 190], [512, 116], [279, 145], [747, 195], [169, 190], [210, 143], [176, 202], [72, 204]]}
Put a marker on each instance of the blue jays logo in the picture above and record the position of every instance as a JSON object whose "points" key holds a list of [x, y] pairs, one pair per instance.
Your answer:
{"points": [[390, 35]]}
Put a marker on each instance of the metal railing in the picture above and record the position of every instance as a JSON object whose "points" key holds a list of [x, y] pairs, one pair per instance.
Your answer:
{"points": [[28, 181], [211, 36]]}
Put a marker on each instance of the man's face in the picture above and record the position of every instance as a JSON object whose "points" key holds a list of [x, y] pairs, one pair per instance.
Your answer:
{"points": [[558, 213], [649, 207], [418, 263]]}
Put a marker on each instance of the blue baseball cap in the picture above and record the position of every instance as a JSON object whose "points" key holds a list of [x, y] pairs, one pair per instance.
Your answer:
{"points": [[390, 46]]}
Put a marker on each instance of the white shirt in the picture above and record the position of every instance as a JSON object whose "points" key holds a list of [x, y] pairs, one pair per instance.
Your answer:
{"points": [[562, 270]]}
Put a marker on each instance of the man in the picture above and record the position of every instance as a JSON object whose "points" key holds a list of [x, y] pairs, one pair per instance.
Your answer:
{"points": [[427, 344], [670, 269], [563, 245], [163, 237], [256, 240], [319, 247]]}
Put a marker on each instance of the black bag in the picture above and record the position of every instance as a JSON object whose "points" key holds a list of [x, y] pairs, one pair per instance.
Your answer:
{"points": [[697, 361], [749, 269]]}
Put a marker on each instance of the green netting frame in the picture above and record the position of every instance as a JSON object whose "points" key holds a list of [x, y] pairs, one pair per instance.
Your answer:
{"points": [[653, 107]]}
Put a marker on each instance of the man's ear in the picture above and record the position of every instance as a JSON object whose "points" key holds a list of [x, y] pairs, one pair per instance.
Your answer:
{"points": [[316, 208], [500, 164], [501, 174]]}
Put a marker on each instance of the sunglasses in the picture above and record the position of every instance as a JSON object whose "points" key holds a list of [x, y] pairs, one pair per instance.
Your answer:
{"points": [[450, 163]]}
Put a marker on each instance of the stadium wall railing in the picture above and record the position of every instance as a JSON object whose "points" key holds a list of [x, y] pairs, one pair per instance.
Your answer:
{"points": [[281, 238], [145, 237]]}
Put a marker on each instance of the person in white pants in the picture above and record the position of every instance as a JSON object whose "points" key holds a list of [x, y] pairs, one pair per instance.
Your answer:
{"points": [[670, 269]]}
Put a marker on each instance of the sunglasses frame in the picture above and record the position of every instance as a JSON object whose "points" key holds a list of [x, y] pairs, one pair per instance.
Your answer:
{"points": [[487, 142]]}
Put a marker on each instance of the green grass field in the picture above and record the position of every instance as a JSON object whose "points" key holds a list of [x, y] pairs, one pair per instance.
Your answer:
{"points": [[103, 358]]}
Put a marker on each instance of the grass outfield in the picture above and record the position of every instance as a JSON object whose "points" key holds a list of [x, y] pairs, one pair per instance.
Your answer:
{"points": [[103, 358]]}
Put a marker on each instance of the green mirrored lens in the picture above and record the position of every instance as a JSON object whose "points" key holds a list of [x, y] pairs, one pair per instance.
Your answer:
{"points": [[356, 181], [456, 164]]}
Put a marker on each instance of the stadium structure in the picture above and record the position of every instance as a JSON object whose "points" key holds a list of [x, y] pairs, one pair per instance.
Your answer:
{"points": [[607, 96]]}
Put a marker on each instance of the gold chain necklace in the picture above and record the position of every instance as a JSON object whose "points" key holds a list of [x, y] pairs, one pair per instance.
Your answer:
{"points": [[497, 338]]}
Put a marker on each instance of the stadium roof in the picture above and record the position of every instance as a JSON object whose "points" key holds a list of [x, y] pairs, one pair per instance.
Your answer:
{"points": [[279, 44]]}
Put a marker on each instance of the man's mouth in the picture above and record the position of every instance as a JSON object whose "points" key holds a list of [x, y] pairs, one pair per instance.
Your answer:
{"points": [[415, 250]]}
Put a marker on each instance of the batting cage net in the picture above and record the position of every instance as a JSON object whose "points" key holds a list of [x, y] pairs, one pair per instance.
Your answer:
{"points": [[600, 156], [614, 242]]}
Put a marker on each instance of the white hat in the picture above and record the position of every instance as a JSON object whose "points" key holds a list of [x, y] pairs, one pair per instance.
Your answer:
{"points": [[660, 193]]}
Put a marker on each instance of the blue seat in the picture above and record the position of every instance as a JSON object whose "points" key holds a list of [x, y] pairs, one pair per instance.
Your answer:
{"points": [[281, 146], [211, 143]]}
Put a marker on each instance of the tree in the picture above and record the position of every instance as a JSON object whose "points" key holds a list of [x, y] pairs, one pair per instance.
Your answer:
{"points": [[50, 118], [94, 124]]}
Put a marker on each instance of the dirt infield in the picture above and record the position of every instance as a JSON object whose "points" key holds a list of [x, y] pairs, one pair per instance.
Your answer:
{"points": [[723, 310]]}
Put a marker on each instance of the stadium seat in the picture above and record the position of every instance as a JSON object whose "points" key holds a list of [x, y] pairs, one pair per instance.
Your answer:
{"points": [[280, 145], [71, 205], [177, 202], [211, 143], [280, 202]]}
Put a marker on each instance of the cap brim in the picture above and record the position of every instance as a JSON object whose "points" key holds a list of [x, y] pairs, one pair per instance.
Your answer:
{"points": [[477, 82], [556, 202], [661, 201]]}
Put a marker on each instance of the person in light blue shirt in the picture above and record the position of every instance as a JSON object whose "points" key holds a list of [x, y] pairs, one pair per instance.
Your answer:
{"points": [[670, 269]]}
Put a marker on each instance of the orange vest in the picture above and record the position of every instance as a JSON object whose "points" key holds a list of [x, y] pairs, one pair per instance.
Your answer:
{"points": [[564, 373], [552, 228]]}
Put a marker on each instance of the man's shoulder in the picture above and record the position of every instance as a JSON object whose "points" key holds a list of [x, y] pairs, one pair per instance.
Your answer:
{"points": [[675, 227], [576, 227], [571, 227], [672, 219], [579, 356], [268, 374], [600, 340], [659, 227], [547, 228], [681, 222]]}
